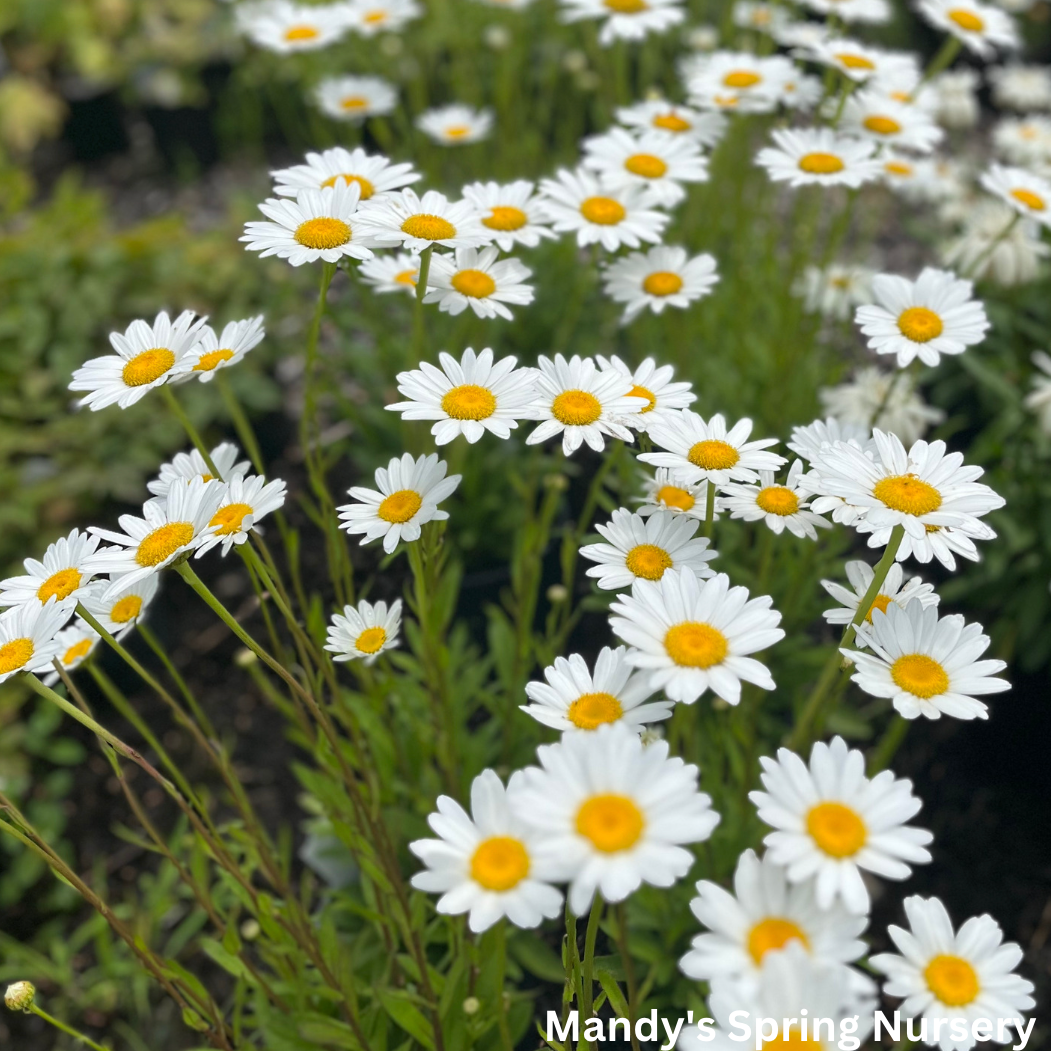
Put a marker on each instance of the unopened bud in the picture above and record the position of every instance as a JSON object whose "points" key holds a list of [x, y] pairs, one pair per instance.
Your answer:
{"points": [[651, 735], [471, 1005], [557, 593], [250, 930], [20, 996], [575, 61], [556, 481], [244, 656], [720, 704], [497, 37]]}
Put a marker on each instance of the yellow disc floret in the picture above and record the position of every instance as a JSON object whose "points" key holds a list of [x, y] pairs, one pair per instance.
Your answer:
{"points": [[881, 603], [772, 934], [371, 640], [662, 283], [147, 366], [952, 980], [836, 829], [212, 360], [777, 500], [399, 507], [879, 125], [603, 211], [611, 822], [966, 20], [354, 102], [469, 401], [677, 497], [671, 122], [163, 542], [428, 227], [499, 863], [505, 217], [322, 233], [713, 455], [591, 710], [627, 7], [125, 609], [693, 644], [741, 78], [920, 675], [229, 518], [646, 165], [648, 561], [819, 163], [59, 585], [15, 654], [77, 651], [643, 392], [294, 34], [576, 408], [845, 58], [1033, 201], [908, 494], [476, 284], [367, 189]]}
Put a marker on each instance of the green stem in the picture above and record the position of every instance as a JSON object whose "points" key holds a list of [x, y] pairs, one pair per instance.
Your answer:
{"points": [[425, 270], [154, 644], [240, 421], [328, 271], [629, 971], [587, 977], [709, 510], [67, 1029], [500, 934], [941, 61], [572, 963], [889, 744], [972, 271], [180, 414]]}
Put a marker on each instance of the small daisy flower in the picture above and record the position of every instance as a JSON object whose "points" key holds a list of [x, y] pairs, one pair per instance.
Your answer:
{"points": [[654, 383], [1028, 194], [147, 357], [1020, 87], [391, 273], [285, 28], [456, 125], [834, 291], [831, 821], [802, 92], [61, 574], [1025, 141], [941, 542], [475, 278], [705, 127], [367, 18], [663, 276], [119, 612], [513, 212], [665, 491], [780, 506], [808, 441], [319, 224], [640, 548], [995, 245], [247, 500], [374, 175], [364, 631], [468, 397], [611, 813], [873, 115], [487, 864], [924, 319], [228, 348], [926, 665], [185, 467], [693, 635], [650, 160], [888, 400], [873, 12], [575, 202], [1038, 400], [574, 699], [953, 976], [860, 62], [894, 590], [981, 27], [915, 179], [953, 98], [75, 644], [409, 491], [625, 19], [819, 157], [167, 529], [582, 404], [417, 223], [29, 636], [759, 16], [738, 81], [355, 98]]}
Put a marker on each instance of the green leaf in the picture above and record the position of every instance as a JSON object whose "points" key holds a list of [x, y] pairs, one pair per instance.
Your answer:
{"points": [[537, 957], [407, 1015], [613, 993]]}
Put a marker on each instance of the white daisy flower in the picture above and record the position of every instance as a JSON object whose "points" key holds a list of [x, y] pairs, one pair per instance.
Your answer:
{"points": [[662, 276], [409, 491], [487, 864], [832, 821], [808, 441], [940, 542], [992, 246], [888, 400], [625, 19], [610, 813], [765, 914], [872, 115], [737, 81], [820, 157], [285, 28], [639, 548], [760, 16], [121, 611], [1028, 194], [914, 178], [780, 505], [367, 18], [468, 397], [895, 590], [1025, 141], [513, 212], [355, 98], [575, 202], [925, 318], [167, 529], [654, 383], [185, 467], [228, 348], [703, 126], [417, 223], [391, 273], [981, 27], [319, 224], [374, 175], [693, 635], [1020, 87], [926, 665], [954, 95], [582, 404], [248, 499], [574, 699], [475, 278], [873, 12], [948, 976], [29, 636], [1038, 400], [456, 124], [834, 291], [147, 357], [859, 61], [61, 574], [650, 160], [664, 490], [75, 644], [364, 631]]}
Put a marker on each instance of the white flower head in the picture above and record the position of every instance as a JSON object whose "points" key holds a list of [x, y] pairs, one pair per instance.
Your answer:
{"points": [[215, 352], [808, 441], [873, 12], [888, 400], [662, 276], [61, 574], [625, 19], [859, 61], [834, 291], [286, 28], [456, 124], [476, 278], [364, 631], [664, 490], [737, 81], [355, 98], [872, 115], [29, 636], [75, 644], [1038, 400], [994, 245], [512, 212], [185, 467], [819, 157], [1024, 141], [895, 590], [1028, 194], [122, 610], [368, 18], [416, 223], [704, 126], [953, 98], [981, 27], [1020, 87], [391, 273], [664, 396], [779, 505], [248, 498], [374, 174]]}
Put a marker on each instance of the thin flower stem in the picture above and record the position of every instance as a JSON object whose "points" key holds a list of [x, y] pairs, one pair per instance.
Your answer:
{"points": [[971, 273], [629, 971], [587, 975], [888, 745], [242, 426], [425, 270], [500, 934], [67, 1029], [154, 644], [180, 414], [941, 61], [709, 510]]}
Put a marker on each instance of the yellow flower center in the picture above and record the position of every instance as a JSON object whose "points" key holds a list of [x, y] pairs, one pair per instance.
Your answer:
{"points": [[648, 561], [147, 366], [741, 78], [674, 496], [213, 359], [59, 585], [626, 7], [576, 408], [294, 33], [322, 233], [474, 283], [646, 165], [374, 17], [881, 603], [407, 277], [229, 518], [908, 494], [125, 609], [603, 211], [845, 58], [696, 645], [897, 168], [836, 829], [920, 324], [457, 131], [499, 863], [371, 640], [966, 20], [505, 217], [713, 455], [820, 163], [77, 651], [354, 102], [15, 654], [163, 542], [772, 934], [882, 125], [952, 980], [367, 189], [611, 822], [469, 402], [777, 500], [793, 1041], [643, 392], [400, 506], [590, 710], [1033, 201], [428, 227], [662, 283], [671, 122], [920, 675]]}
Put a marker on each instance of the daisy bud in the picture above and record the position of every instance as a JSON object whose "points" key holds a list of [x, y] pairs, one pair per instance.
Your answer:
{"points": [[19, 996], [471, 1005], [497, 37], [244, 657], [557, 593]]}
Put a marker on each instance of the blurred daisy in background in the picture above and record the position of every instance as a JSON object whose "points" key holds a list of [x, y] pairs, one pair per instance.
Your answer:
{"points": [[364, 631], [355, 98], [887, 400], [456, 124], [650, 160], [859, 61], [664, 490], [820, 157], [367, 18], [835, 290], [624, 19], [285, 28], [215, 352], [953, 98], [873, 12], [982, 28], [1038, 400], [1028, 194], [1020, 87], [1023, 140], [476, 278], [704, 126], [185, 467], [662, 276], [512, 212], [992, 246], [373, 174], [61, 574], [391, 273], [871, 115], [894, 589], [737, 80], [808, 441]]}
